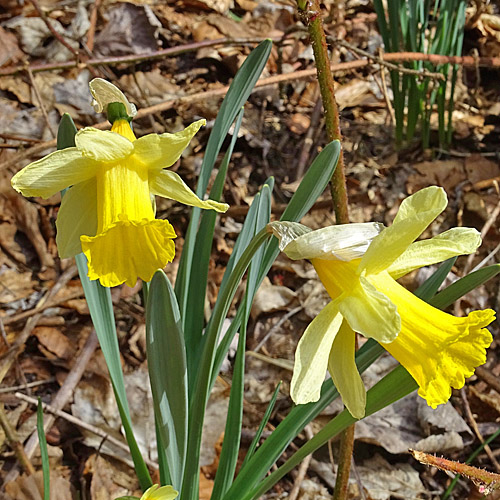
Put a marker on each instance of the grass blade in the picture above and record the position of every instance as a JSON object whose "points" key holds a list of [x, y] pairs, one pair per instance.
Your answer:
{"points": [[428, 289], [44, 452]]}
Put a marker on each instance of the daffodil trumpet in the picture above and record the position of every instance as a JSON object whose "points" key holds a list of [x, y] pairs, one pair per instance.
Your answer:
{"points": [[359, 264], [108, 212]]}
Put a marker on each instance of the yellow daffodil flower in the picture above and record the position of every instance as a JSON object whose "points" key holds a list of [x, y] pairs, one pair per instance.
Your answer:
{"points": [[358, 264], [108, 212], [160, 493]]}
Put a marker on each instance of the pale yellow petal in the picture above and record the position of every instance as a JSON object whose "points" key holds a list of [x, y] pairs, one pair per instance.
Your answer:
{"points": [[161, 151], [77, 216], [127, 250], [345, 375], [343, 242], [103, 145], [170, 185], [286, 232], [370, 312], [455, 241], [53, 173], [311, 356], [414, 216], [160, 493], [105, 93], [439, 350]]}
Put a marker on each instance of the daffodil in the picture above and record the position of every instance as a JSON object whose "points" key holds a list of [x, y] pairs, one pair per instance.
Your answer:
{"points": [[155, 493], [358, 264], [108, 212], [160, 493]]}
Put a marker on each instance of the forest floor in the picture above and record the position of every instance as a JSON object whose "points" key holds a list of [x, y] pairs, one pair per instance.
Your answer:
{"points": [[46, 332]]}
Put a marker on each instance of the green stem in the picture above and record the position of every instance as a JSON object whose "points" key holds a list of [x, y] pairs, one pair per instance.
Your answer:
{"points": [[311, 16]]}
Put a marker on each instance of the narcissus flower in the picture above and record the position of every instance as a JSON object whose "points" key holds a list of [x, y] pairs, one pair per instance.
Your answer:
{"points": [[108, 213], [358, 264], [160, 493]]}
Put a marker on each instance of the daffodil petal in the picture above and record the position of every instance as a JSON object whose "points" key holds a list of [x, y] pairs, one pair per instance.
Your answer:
{"points": [[311, 356], [170, 185], [343, 242], [160, 493], [126, 250], [455, 241], [103, 145], [77, 216], [370, 312], [438, 349], [53, 173], [105, 93], [415, 214], [344, 372], [161, 151]]}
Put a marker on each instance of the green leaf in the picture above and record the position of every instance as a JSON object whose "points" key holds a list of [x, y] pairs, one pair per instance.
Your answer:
{"points": [[44, 453], [167, 372], [272, 448], [262, 426], [464, 285], [101, 311], [230, 447], [238, 93], [394, 386], [194, 322], [428, 289], [232, 433], [66, 132], [202, 386]]}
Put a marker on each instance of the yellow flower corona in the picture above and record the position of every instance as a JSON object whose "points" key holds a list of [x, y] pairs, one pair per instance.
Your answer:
{"points": [[108, 212], [358, 264]]}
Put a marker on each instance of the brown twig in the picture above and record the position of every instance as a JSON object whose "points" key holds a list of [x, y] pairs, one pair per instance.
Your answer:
{"points": [[83, 425], [93, 21], [484, 480], [382, 61], [473, 424], [40, 101], [304, 465], [135, 58], [468, 61], [67, 389], [311, 17], [54, 32], [14, 443], [7, 320]]}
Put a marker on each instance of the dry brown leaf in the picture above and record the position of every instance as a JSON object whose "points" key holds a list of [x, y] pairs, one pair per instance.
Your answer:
{"points": [[55, 342], [29, 487], [11, 53], [110, 479], [447, 173], [15, 285], [478, 168]]}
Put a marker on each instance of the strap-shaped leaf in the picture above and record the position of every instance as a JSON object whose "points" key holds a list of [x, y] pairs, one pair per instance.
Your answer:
{"points": [[167, 372], [238, 93]]}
